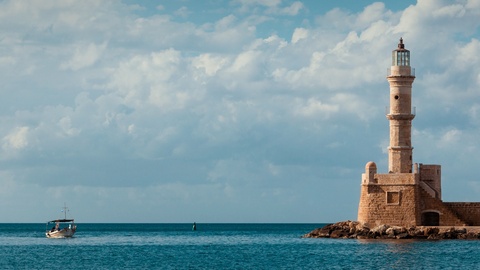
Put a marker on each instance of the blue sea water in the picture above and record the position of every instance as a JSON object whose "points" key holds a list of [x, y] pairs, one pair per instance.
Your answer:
{"points": [[221, 246]]}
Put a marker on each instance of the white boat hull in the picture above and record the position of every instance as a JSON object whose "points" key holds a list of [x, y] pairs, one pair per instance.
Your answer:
{"points": [[63, 233]]}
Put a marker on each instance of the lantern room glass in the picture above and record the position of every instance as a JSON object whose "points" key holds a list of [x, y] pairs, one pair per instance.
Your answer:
{"points": [[401, 58]]}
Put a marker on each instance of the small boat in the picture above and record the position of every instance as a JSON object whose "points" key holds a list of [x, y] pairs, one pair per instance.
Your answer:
{"points": [[63, 228]]}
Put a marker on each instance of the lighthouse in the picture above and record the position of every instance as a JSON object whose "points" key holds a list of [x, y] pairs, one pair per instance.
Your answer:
{"points": [[408, 194], [400, 77]]}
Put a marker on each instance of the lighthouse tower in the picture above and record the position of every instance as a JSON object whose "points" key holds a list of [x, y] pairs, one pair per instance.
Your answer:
{"points": [[400, 115], [395, 197], [409, 194]]}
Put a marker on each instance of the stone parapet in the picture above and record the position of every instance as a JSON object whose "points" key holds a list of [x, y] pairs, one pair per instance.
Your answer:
{"points": [[397, 179]]}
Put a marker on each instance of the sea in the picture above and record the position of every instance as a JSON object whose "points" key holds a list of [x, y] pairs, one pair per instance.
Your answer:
{"points": [[221, 246]]}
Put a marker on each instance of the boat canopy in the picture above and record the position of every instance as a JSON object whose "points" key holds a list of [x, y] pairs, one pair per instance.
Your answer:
{"points": [[61, 220]]}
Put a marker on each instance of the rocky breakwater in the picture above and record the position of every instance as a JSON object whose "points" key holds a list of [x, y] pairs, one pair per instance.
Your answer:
{"points": [[356, 230]]}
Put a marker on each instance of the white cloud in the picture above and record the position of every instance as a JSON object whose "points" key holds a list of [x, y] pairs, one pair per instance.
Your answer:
{"points": [[453, 11], [291, 10], [274, 7], [316, 108], [268, 3], [183, 12], [466, 58], [298, 34], [7, 61], [371, 14], [209, 63], [66, 126], [450, 137], [246, 64], [17, 139], [84, 56]]}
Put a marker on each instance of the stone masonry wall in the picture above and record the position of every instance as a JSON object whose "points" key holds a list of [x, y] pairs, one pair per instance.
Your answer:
{"points": [[388, 204], [447, 216], [431, 175], [467, 211]]}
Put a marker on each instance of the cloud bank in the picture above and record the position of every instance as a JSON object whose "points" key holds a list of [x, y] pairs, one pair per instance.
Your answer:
{"points": [[180, 114]]}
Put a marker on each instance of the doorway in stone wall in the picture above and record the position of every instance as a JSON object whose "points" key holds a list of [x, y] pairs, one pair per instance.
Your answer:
{"points": [[430, 219]]}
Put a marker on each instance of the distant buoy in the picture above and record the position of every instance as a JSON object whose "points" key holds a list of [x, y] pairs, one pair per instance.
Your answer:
{"points": [[194, 228]]}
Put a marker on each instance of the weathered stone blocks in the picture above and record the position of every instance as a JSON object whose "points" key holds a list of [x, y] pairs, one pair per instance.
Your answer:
{"points": [[356, 230]]}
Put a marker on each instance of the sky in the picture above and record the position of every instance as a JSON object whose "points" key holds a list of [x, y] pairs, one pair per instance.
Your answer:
{"points": [[225, 110]]}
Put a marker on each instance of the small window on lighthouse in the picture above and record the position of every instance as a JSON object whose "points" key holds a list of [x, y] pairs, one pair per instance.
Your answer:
{"points": [[396, 97], [393, 197]]}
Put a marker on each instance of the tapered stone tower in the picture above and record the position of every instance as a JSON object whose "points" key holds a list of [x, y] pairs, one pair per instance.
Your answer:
{"points": [[400, 115], [409, 194]]}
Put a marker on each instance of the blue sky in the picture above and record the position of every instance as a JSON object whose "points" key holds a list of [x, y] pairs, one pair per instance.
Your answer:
{"points": [[225, 111]]}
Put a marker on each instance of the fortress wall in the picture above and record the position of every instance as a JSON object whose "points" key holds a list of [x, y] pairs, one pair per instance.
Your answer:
{"points": [[430, 171], [467, 211], [448, 217], [431, 175], [388, 204]]}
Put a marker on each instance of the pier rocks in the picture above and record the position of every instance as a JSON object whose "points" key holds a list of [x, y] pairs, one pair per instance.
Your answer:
{"points": [[356, 230]]}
